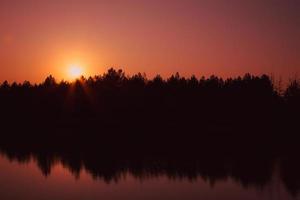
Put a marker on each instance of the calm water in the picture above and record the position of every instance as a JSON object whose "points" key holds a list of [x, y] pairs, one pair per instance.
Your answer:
{"points": [[26, 181]]}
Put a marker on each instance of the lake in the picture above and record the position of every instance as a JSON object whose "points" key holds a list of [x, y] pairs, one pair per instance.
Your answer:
{"points": [[24, 179]]}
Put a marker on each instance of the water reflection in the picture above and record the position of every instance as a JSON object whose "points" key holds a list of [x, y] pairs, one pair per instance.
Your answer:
{"points": [[82, 177]]}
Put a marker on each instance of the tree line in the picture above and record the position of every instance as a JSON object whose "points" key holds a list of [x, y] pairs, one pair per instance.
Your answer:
{"points": [[115, 94], [244, 110]]}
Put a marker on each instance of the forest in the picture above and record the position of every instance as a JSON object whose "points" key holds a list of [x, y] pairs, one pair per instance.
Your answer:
{"points": [[115, 96], [121, 109]]}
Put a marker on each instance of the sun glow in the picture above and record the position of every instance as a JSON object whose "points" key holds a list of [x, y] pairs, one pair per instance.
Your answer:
{"points": [[75, 71]]}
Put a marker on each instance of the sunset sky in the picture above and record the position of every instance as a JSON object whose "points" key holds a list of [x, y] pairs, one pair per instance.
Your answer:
{"points": [[201, 37]]}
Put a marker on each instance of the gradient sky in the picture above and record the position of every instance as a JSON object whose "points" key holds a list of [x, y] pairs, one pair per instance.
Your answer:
{"points": [[201, 37]]}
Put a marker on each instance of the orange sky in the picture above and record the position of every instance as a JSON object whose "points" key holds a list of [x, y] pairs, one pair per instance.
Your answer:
{"points": [[222, 37]]}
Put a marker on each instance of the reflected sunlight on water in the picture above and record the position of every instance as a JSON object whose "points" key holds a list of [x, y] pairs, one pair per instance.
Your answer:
{"points": [[25, 181]]}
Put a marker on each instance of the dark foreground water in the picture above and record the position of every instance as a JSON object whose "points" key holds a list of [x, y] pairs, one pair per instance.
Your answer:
{"points": [[24, 180]]}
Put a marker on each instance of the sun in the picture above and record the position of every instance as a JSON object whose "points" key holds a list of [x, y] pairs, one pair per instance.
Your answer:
{"points": [[75, 71]]}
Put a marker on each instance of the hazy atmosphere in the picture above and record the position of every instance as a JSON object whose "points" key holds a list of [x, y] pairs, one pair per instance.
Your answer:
{"points": [[201, 37], [149, 99]]}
